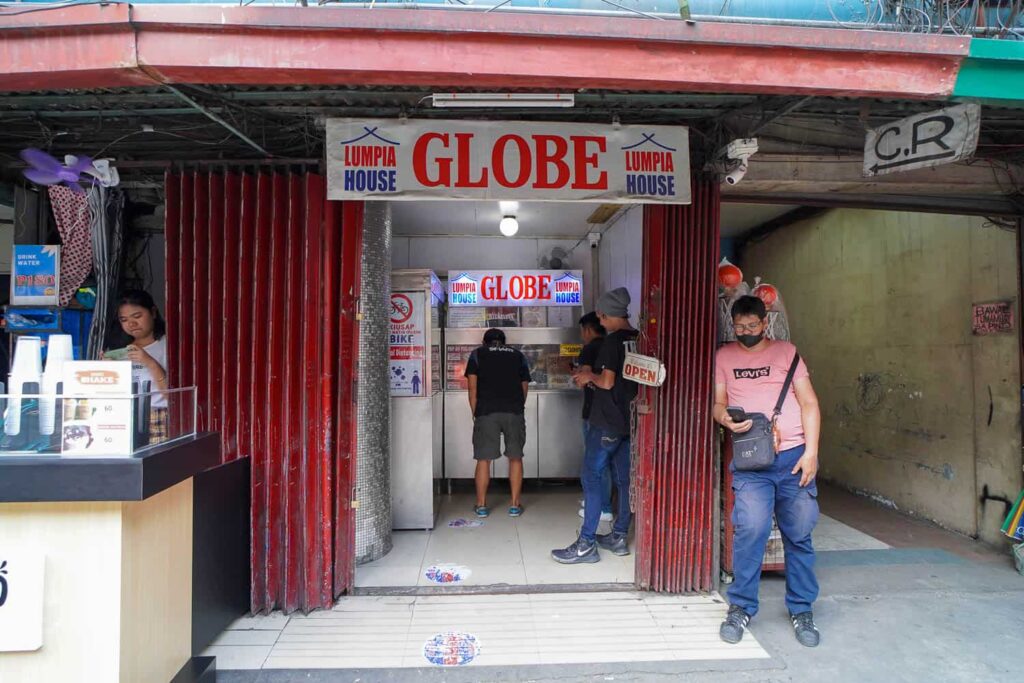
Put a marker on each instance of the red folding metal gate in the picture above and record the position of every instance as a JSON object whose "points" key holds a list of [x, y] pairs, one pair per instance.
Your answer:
{"points": [[262, 285], [677, 467]]}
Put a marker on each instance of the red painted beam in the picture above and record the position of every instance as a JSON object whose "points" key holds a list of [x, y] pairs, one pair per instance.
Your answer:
{"points": [[438, 48], [84, 46]]}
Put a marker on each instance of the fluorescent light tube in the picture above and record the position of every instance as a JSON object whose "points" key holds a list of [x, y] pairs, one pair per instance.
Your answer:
{"points": [[503, 99]]}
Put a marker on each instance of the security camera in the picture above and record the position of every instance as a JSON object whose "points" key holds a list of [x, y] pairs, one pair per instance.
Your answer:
{"points": [[732, 160], [736, 174]]}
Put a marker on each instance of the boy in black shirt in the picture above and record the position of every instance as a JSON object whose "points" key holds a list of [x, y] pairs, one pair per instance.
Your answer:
{"points": [[608, 439], [498, 378], [592, 334]]}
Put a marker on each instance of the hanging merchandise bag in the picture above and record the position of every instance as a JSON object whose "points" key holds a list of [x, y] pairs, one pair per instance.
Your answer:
{"points": [[730, 287], [778, 321]]}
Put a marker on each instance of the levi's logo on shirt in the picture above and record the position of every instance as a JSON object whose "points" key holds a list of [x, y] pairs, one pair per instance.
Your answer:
{"points": [[752, 373]]}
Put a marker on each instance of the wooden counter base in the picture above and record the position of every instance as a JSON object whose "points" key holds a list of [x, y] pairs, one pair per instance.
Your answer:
{"points": [[118, 588]]}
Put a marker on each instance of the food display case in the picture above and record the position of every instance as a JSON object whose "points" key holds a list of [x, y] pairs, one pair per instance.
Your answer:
{"points": [[554, 441]]}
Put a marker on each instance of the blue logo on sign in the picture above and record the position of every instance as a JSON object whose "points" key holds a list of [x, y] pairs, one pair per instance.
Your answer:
{"points": [[464, 291], [568, 290]]}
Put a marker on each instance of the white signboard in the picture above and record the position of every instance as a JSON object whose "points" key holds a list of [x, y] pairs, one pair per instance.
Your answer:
{"points": [[21, 599], [515, 288], [97, 425], [931, 139], [643, 370], [408, 348], [419, 159]]}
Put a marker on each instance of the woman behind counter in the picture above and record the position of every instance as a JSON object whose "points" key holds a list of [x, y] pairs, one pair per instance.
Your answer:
{"points": [[140, 319]]}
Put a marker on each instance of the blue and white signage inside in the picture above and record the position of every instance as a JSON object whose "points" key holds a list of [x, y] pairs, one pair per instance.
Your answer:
{"points": [[515, 288]]}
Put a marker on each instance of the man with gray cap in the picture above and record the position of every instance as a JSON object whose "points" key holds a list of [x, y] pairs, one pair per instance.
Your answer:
{"points": [[609, 436]]}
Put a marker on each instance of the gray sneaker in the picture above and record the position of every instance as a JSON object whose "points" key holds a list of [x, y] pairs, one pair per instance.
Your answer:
{"points": [[807, 633], [731, 630], [614, 542], [578, 553]]}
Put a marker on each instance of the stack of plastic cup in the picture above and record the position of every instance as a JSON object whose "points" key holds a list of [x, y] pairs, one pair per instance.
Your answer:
{"points": [[58, 351], [27, 368]]}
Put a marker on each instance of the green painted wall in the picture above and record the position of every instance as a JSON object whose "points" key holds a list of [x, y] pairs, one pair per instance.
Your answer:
{"points": [[880, 306], [993, 73]]}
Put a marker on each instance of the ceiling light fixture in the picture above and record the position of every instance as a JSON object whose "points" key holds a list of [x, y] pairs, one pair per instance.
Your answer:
{"points": [[503, 99], [508, 226]]}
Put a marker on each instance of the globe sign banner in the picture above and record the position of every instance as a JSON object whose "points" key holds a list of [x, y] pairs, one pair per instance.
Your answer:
{"points": [[518, 160]]}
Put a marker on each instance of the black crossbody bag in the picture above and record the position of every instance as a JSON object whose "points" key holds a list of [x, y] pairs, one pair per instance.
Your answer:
{"points": [[754, 449]]}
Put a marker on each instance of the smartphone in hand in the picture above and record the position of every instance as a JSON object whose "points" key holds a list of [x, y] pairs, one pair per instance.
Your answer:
{"points": [[737, 414]]}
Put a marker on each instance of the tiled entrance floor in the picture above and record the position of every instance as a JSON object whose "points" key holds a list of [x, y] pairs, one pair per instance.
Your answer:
{"points": [[517, 552], [562, 628], [504, 551], [390, 630]]}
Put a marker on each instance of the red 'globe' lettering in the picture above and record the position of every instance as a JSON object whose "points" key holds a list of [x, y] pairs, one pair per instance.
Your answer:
{"points": [[498, 161], [419, 161]]}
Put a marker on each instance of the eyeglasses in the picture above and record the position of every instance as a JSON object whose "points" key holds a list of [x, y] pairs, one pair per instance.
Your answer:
{"points": [[752, 327]]}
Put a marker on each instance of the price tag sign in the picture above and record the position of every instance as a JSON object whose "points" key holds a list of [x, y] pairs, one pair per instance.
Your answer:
{"points": [[97, 408]]}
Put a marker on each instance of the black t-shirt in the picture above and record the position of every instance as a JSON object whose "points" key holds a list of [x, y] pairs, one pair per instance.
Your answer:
{"points": [[500, 371], [610, 410], [588, 356]]}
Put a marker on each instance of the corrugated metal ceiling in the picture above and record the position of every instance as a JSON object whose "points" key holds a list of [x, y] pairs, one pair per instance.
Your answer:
{"points": [[155, 124]]}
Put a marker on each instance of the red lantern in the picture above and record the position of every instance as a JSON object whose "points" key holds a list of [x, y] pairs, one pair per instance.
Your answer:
{"points": [[768, 294], [729, 276]]}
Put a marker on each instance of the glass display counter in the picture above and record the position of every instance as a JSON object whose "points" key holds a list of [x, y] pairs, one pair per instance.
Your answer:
{"points": [[553, 401]]}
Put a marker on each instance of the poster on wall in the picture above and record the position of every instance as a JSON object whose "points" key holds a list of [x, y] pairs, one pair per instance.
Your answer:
{"points": [[97, 408], [467, 316], [35, 275], [407, 342], [992, 317], [409, 159], [21, 598]]}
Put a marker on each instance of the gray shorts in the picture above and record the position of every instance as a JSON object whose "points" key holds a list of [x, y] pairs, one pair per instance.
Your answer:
{"points": [[487, 433]]}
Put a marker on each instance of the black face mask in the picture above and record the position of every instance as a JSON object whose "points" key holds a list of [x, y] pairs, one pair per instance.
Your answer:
{"points": [[750, 340]]}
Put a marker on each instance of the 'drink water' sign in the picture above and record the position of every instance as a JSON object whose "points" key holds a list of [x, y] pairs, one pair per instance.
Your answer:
{"points": [[411, 159], [515, 288]]}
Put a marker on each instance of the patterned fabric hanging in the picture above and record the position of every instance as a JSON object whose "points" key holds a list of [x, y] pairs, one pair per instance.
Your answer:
{"points": [[73, 217]]}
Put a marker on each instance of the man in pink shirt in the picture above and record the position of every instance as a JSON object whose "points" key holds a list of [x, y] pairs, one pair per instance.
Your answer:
{"points": [[750, 374]]}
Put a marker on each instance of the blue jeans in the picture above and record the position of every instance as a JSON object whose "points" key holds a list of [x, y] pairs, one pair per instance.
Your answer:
{"points": [[758, 494], [604, 448], [606, 477]]}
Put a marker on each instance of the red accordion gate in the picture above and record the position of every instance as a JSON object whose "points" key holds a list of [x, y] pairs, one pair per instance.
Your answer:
{"points": [[262, 291], [262, 282], [676, 473]]}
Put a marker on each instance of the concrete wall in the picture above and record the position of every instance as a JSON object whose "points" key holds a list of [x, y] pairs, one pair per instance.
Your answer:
{"points": [[621, 257], [880, 306]]}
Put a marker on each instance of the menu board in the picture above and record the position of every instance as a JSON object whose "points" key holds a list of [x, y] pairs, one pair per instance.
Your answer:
{"points": [[562, 317], [467, 317], [97, 408], [435, 368], [408, 346], [534, 316], [501, 316], [456, 357]]}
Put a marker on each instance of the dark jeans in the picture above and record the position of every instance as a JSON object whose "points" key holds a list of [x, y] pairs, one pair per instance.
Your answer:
{"points": [[604, 448], [758, 494], [606, 477]]}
